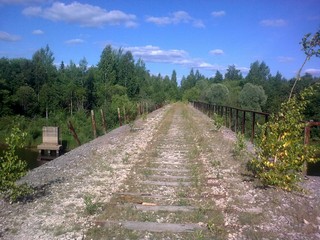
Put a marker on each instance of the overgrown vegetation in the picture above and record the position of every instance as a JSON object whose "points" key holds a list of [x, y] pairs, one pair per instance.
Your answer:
{"points": [[282, 154], [240, 145], [37, 93], [12, 168], [281, 149], [91, 207], [217, 122]]}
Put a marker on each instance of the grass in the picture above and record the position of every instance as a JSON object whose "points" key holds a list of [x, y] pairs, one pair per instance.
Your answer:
{"points": [[91, 207], [247, 218]]}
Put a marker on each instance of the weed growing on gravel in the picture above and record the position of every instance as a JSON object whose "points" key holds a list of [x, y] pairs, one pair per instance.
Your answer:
{"points": [[215, 163], [198, 235], [146, 172], [246, 218], [107, 167], [182, 202], [239, 146], [90, 206], [125, 159], [217, 122]]}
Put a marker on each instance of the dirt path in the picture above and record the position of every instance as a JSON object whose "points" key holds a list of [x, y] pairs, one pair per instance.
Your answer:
{"points": [[174, 178]]}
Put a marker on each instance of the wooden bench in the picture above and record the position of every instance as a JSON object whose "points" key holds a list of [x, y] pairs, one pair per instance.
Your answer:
{"points": [[50, 141]]}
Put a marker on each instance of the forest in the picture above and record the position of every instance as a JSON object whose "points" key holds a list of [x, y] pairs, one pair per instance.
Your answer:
{"points": [[35, 92]]}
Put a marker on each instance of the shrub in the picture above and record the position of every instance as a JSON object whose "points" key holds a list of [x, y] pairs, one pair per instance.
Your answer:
{"points": [[12, 168], [217, 121], [281, 153], [90, 206], [240, 145]]}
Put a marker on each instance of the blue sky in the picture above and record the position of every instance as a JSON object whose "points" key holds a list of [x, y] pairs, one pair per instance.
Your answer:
{"points": [[168, 34]]}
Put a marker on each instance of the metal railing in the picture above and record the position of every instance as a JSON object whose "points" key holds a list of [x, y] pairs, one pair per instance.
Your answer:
{"points": [[235, 118]]}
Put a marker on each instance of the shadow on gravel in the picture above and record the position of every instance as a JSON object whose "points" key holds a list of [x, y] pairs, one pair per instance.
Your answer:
{"points": [[41, 191]]}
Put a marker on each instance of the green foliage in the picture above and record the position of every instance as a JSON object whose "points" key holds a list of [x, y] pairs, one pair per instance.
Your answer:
{"points": [[311, 44], [233, 74], [191, 94], [240, 145], [90, 206], [281, 152], [123, 103], [217, 94], [311, 47], [12, 168], [252, 97], [258, 73], [217, 122]]}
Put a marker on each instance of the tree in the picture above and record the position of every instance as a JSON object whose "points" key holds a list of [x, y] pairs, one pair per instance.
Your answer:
{"points": [[258, 73], [5, 107], [107, 65], [43, 68], [311, 47], [27, 100], [281, 152], [217, 94], [203, 85], [189, 81], [233, 73], [191, 95], [218, 78], [276, 88], [174, 78], [49, 97], [90, 90], [174, 90], [252, 97], [82, 69]]}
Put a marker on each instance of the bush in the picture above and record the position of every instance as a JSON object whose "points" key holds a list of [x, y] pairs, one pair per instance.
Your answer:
{"points": [[217, 121], [12, 168], [240, 145], [281, 150]]}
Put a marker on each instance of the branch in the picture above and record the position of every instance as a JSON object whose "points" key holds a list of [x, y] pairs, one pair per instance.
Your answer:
{"points": [[298, 77]]}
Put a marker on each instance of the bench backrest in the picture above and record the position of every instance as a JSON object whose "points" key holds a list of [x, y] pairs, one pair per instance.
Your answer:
{"points": [[50, 135]]}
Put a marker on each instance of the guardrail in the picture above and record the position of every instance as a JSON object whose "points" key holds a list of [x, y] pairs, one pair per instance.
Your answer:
{"points": [[235, 118]]}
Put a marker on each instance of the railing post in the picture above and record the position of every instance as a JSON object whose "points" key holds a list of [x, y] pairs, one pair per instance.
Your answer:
{"points": [[119, 117], [94, 127], [236, 123], [244, 122], [104, 125], [253, 125], [226, 115], [306, 141], [230, 120]]}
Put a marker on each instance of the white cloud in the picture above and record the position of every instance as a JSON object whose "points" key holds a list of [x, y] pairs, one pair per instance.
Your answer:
{"points": [[284, 59], [273, 23], [151, 53], [218, 13], [75, 41], [176, 18], [313, 71], [37, 32], [244, 70], [216, 52], [155, 54], [198, 24], [4, 36], [85, 15]]}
